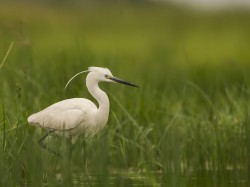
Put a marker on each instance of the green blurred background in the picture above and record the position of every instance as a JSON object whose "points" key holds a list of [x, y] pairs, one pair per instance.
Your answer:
{"points": [[187, 125]]}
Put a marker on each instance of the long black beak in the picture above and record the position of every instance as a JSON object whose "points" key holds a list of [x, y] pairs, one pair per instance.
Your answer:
{"points": [[122, 81]]}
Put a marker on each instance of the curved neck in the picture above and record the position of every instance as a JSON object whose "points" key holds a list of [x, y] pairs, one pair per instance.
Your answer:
{"points": [[99, 95]]}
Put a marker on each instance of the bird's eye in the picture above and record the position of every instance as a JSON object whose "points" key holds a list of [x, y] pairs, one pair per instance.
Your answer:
{"points": [[106, 76]]}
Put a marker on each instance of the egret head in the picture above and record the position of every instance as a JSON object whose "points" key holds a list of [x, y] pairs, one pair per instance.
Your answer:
{"points": [[102, 75]]}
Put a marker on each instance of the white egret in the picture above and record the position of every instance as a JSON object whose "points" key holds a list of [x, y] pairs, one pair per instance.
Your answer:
{"points": [[72, 117]]}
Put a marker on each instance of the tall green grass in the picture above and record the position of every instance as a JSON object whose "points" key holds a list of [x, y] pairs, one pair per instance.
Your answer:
{"points": [[187, 124]]}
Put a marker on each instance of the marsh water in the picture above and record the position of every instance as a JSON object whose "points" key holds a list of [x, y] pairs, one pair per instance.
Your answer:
{"points": [[199, 178], [229, 178]]}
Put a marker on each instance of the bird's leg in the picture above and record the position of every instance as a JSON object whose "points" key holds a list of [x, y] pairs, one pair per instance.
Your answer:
{"points": [[68, 148], [84, 144], [40, 142]]}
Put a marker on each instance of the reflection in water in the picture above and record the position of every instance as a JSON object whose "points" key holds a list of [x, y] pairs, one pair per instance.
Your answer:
{"points": [[202, 178]]}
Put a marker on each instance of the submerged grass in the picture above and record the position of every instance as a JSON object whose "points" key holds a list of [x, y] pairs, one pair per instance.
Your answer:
{"points": [[187, 125]]}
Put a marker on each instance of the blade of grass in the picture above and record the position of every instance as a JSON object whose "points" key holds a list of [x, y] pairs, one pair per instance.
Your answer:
{"points": [[6, 55], [126, 112], [4, 134], [202, 92]]}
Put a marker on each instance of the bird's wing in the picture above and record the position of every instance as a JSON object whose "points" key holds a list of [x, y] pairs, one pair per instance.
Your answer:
{"points": [[58, 120], [64, 115]]}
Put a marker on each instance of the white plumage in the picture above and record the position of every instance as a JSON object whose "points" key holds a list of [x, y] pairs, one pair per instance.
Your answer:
{"points": [[72, 117]]}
